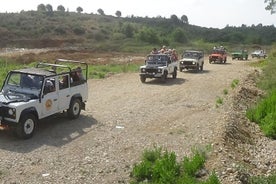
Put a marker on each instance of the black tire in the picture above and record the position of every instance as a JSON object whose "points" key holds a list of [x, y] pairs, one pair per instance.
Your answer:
{"points": [[164, 76], [174, 73], [142, 79], [74, 109], [201, 68], [27, 126]]}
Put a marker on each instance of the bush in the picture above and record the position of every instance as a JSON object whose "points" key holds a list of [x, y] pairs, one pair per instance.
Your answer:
{"points": [[162, 167]]}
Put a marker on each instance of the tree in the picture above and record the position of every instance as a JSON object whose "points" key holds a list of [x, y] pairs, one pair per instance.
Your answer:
{"points": [[49, 8], [79, 9], [271, 6], [61, 8], [118, 14], [184, 19], [100, 11], [174, 19], [41, 8]]}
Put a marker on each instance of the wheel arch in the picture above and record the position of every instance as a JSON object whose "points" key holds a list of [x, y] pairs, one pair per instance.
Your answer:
{"points": [[30, 110], [78, 96]]}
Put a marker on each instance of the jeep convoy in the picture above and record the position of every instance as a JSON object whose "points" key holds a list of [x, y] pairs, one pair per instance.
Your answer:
{"points": [[192, 59], [31, 94], [158, 66]]}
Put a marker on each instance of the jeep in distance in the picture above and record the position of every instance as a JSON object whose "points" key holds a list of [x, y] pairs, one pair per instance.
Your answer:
{"points": [[31, 94], [240, 55], [218, 55], [258, 54], [158, 66], [192, 59]]}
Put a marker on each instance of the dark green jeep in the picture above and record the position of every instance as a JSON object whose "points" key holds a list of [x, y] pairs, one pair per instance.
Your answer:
{"points": [[240, 55]]}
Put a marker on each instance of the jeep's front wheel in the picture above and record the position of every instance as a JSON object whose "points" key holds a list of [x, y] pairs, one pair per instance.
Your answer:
{"points": [[164, 76], [174, 73], [143, 79], [74, 110], [26, 127]]}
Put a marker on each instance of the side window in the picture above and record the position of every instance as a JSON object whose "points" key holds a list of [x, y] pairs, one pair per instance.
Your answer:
{"points": [[49, 86], [63, 81]]}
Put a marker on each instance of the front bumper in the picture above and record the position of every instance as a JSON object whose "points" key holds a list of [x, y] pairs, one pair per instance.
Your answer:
{"points": [[151, 75]]}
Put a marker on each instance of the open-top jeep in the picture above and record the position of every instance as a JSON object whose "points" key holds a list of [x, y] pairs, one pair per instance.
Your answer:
{"points": [[192, 59], [158, 66], [240, 55], [31, 94], [259, 54], [218, 55]]}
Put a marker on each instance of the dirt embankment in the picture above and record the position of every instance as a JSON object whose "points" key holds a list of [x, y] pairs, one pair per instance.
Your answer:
{"points": [[124, 117]]}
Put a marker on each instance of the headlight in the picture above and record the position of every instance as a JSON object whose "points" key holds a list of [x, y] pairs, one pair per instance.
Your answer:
{"points": [[194, 62], [143, 70], [182, 62], [12, 113], [159, 70]]}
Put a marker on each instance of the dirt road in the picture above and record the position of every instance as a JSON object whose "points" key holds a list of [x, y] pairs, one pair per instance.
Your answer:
{"points": [[123, 118]]}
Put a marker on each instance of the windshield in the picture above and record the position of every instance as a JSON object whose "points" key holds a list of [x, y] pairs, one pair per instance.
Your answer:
{"points": [[24, 80], [157, 59], [191, 55]]}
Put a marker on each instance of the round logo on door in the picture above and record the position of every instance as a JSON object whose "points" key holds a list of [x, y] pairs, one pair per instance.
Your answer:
{"points": [[48, 104]]}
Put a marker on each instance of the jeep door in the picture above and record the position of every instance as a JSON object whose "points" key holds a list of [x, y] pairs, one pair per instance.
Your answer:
{"points": [[64, 93], [49, 99]]}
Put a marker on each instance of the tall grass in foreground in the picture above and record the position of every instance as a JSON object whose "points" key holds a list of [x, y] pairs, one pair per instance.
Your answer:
{"points": [[162, 167], [264, 113]]}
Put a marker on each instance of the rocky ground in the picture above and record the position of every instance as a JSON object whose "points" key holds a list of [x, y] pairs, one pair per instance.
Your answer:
{"points": [[124, 117]]}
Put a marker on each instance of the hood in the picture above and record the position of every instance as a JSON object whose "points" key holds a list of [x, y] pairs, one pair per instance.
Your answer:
{"points": [[12, 98], [216, 55]]}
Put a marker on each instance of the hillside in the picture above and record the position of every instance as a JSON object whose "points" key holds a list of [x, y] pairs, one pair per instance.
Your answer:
{"points": [[34, 29]]}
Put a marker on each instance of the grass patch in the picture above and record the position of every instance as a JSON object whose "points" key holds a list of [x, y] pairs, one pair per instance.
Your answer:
{"points": [[100, 71], [263, 179], [234, 83], [264, 113], [225, 91], [219, 101], [159, 166]]}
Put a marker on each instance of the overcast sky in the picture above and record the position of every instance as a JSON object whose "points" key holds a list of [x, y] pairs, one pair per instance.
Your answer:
{"points": [[205, 13]]}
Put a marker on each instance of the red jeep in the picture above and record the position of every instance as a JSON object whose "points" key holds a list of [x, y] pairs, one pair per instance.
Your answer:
{"points": [[218, 55]]}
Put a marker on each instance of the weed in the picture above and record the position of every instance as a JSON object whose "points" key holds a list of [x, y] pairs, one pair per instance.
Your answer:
{"points": [[234, 83], [219, 101], [225, 91], [162, 167]]}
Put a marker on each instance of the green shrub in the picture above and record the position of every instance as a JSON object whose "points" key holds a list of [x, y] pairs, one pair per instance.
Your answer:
{"points": [[162, 167], [264, 113], [234, 83], [263, 179]]}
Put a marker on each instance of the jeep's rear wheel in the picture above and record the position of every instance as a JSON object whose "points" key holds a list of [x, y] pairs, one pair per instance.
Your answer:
{"points": [[26, 127], [143, 79], [75, 109]]}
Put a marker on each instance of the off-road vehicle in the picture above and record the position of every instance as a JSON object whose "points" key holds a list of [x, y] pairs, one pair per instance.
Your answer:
{"points": [[218, 55], [240, 55], [158, 66], [192, 59], [31, 94], [258, 54]]}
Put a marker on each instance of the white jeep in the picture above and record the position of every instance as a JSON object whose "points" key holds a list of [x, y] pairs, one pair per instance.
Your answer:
{"points": [[192, 59], [31, 94], [158, 66]]}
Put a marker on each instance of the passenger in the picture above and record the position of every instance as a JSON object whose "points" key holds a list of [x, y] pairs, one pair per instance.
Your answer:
{"points": [[154, 51], [174, 55]]}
